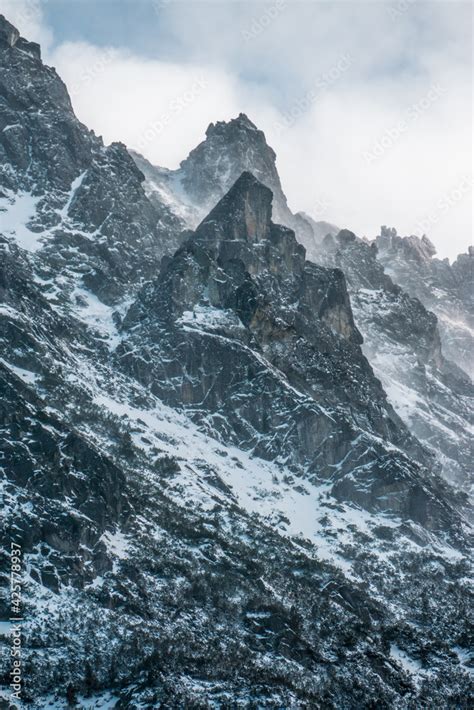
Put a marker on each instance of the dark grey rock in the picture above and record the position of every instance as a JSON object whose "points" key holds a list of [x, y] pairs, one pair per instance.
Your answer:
{"points": [[163, 563], [444, 288]]}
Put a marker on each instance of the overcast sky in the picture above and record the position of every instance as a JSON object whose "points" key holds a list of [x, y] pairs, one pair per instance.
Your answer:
{"points": [[368, 105]]}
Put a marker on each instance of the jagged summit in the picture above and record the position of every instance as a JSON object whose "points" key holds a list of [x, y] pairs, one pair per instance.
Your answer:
{"points": [[433, 396], [244, 213], [10, 37], [229, 149], [241, 122], [63, 194], [251, 277], [444, 288], [207, 174], [419, 249]]}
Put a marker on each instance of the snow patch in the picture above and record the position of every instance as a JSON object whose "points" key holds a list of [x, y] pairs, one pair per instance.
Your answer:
{"points": [[16, 211], [294, 507], [75, 185], [211, 318], [25, 375], [409, 665], [97, 315], [465, 657], [116, 544]]}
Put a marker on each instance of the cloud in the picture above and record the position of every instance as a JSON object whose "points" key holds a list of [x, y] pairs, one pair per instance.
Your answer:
{"points": [[366, 104], [322, 161], [158, 108]]}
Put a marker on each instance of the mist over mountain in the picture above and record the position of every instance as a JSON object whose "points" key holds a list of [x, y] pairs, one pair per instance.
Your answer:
{"points": [[404, 341], [235, 444]]}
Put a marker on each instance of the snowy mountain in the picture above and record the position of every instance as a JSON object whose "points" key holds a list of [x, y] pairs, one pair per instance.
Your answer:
{"points": [[216, 502], [229, 149], [401, 337], [444, 288], [80, 204], [432, 395]]}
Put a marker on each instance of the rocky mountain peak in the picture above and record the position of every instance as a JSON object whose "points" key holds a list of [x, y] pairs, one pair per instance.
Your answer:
{"points": [[42, 144], [78, 204], [420, 249], [220, 464], [8, 33], [444, 288], [241, 123], [236, 242], [231, 148], [10, 37], [243, 214]]}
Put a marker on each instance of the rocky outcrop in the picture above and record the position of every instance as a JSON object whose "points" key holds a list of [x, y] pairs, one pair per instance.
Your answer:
{"points": [[403, 344], [9, 34], [229, 149], [71, 492], [313, 239], [243, 333], [42, 144], [414, 335], [81, 204], [205, 176], [444, 288]]}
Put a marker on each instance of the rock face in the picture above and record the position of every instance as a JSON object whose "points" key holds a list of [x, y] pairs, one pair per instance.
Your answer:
{"points": [[250, 338], [9, 35], [62, 192], [228, 146], [444, 288], [216, 504], [402, 342], [229, 149], [402, 339], [319, 229], [203, 178]]}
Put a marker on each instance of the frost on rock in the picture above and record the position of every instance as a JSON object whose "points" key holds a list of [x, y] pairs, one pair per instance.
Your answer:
{"points": [[217, 503]]}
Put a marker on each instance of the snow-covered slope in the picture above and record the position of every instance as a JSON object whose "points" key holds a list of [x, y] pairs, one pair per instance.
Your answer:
{"points": [[217, 505], [256, 583]]}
